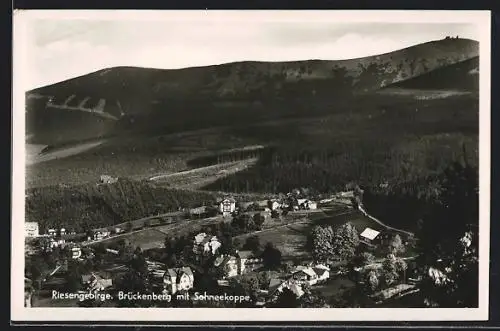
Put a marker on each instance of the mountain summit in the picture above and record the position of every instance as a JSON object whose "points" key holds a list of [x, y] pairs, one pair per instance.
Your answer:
{"points": [[109, 95]]}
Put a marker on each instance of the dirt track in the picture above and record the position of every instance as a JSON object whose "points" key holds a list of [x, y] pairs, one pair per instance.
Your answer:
{"points": [[199, 177]]}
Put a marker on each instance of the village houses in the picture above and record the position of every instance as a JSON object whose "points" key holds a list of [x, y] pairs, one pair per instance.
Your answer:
{"points": [[237, 264], [311, 275], [277, 285], [302, 275], [99, 235], [205, 244]]}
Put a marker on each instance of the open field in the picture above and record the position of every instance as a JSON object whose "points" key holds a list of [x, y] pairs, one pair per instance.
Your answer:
{"points": [[145, 239], [62, 152], [290, 239], [359, 220], [155, 237], [200, 177], [290, 235]]}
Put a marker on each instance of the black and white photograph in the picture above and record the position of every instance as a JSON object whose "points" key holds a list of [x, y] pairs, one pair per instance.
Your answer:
{"points": [[251, 161]]}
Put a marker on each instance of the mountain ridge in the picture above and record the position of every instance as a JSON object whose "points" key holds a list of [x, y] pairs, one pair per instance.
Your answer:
{"points": [[192, 94], [99, 71]]}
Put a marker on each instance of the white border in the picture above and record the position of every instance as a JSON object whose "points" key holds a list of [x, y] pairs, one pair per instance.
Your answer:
{"points": [[482, 19]]}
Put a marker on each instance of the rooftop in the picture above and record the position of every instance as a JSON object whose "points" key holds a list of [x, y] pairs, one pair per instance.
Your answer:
{"points": [[369, 233]]}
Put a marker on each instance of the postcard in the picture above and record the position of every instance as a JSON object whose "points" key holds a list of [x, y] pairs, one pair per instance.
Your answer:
{"points": [[275, 165]]}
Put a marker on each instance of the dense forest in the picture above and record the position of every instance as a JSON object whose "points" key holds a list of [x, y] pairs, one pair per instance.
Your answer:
{"points": [[407, 204], [328, 169], [78, 208]]}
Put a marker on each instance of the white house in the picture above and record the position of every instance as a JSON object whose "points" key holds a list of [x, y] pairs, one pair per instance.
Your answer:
{"points": [[31, 229], [178, 279], [98, 235], [55, 243], [227, 206], [301, 202], [75, 252], [312, 205]]}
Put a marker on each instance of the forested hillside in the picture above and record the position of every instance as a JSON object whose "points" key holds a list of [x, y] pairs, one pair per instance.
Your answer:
{"points": [[81, 207]]}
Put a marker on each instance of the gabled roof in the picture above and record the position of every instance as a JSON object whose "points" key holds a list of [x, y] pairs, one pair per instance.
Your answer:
{"points": [[187, 271], [177, 272], [369, 233], [172, 273], [320, 271], [230, 199]]}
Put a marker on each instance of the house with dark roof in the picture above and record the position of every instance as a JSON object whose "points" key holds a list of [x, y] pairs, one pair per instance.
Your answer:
{"points": [[227, 206], [178, 279], [373, 237]]}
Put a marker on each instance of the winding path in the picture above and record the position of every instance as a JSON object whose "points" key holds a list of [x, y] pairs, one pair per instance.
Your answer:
{"points": [[362, 210]]}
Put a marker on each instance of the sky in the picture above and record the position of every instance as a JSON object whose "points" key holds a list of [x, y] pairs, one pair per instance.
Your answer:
{"points": [[58, 48]]}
